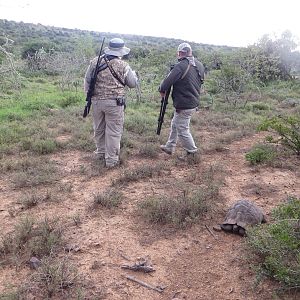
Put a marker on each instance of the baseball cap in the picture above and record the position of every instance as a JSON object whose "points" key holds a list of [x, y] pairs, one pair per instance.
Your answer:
{"points": [[184, 47]]}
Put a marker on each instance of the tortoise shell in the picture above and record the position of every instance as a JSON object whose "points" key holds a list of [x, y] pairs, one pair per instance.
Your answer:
{"points": [[244, 213]]}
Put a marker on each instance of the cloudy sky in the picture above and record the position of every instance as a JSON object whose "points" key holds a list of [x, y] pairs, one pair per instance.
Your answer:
{"points": [[217, 22]]}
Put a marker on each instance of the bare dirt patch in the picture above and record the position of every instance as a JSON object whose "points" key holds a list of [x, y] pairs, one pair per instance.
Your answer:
{"points": [[190, 263]]}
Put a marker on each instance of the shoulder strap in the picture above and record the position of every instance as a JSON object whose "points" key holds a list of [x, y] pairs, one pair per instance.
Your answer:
{"points": [[113, 72], [186, 71]]}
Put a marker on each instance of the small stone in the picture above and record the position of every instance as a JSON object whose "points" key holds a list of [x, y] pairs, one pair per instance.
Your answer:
{"points": [[217, 228], [74, 248], [34, 263]]}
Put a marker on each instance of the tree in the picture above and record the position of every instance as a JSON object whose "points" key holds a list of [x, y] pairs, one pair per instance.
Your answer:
{"points": [[272, 59], [9, 76]]}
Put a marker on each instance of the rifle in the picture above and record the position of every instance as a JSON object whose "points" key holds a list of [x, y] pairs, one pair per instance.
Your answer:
{"points": [[92, 84], [163, 106]]}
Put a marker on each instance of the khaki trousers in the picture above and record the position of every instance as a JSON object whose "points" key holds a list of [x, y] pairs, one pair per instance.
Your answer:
{"points": [[180, 129], [108, 121]]}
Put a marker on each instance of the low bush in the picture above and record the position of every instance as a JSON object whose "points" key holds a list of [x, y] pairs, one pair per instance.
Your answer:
{"points": [[288, 129], [181, 210], [276, 246], [31, 238], [261, 154]]}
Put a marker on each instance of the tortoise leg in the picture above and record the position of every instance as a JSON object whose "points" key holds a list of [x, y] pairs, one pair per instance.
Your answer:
{"points": [[242, 231], [226, 227], [235, 228]]}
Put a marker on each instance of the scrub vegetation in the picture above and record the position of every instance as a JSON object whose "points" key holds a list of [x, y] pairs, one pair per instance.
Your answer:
{"points": [[247, 91]]}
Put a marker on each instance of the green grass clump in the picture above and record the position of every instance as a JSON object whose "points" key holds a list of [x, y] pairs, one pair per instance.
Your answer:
{"points": [[139, 173], [35, 172], [261, 154], [181, 210], [31, 238], [287, 127], [277, 245], [109, 198]]}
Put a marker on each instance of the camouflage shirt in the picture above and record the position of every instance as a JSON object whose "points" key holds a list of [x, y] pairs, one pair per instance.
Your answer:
{"points": [[107, 86]]}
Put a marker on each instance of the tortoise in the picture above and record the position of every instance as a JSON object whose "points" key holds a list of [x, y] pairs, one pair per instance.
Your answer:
{"points": [[242, 214]]}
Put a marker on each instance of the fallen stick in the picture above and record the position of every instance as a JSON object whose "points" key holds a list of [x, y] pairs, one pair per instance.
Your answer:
{"points": [[137, 267], [132, 278], [209, 230]]}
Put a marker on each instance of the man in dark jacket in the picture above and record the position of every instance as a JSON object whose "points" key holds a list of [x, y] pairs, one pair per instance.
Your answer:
{"points": [[186, 78]]}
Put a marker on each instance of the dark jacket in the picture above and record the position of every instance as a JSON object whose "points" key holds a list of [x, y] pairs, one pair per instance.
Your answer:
{"points": [[186, 90]]}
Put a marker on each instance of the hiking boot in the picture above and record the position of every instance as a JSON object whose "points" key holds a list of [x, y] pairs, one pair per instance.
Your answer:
{"points": [[166, 149], [188, 156]]}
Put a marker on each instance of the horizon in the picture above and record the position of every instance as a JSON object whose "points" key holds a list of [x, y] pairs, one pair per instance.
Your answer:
{"points": [[235, 23]]}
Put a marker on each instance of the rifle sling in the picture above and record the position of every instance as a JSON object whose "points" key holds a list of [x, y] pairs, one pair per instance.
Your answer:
{"points": [[188, 68], [113, 72], [186, 71]]}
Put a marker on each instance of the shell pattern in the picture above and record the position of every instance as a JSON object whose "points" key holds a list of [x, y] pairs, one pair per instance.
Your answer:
{"points": [[244, 213]]}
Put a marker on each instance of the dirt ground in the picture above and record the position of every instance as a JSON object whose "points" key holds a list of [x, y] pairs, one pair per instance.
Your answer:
{"points": [[191, 263]]}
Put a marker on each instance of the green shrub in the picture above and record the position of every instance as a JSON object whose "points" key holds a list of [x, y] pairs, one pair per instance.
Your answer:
{"points": [[288, 129], [261, 154], [290, 210], [260, 106], [41, 146], [277, 245], [69, 100]]}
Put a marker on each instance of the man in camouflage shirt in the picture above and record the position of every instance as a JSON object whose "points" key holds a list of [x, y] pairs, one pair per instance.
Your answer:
{"points": [[108, 99]]}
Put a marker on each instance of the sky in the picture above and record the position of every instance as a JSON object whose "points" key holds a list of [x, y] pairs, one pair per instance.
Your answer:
{"points": [[218, 22]]}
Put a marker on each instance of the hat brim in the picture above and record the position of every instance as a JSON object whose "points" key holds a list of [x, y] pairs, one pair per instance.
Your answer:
{"points": [[118, 52]]}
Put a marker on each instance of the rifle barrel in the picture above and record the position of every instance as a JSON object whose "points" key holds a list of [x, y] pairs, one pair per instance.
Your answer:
{"points": [[163, 106], [92, 84]]}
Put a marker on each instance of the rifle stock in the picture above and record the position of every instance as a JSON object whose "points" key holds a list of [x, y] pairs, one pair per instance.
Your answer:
{"points": [[92, 85], [163, 106]]}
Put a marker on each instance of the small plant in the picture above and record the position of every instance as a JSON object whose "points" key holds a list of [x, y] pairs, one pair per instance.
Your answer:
{"points": [[54, 276], [141, 172], [261, 154], [149, 150], [47, 238], [69, 100], [29, 201], [31, 238], [181, 210], [35, 172], [76, 219], [288, 129], [257, 106], [277, 245], [109, 198]]}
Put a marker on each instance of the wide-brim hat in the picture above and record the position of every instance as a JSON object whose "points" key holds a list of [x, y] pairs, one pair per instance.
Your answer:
{"points": [[116, 47]]}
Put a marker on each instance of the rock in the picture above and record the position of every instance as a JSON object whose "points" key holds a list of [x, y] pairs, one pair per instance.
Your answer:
{"points": [[217, 228], [34, 263]]}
